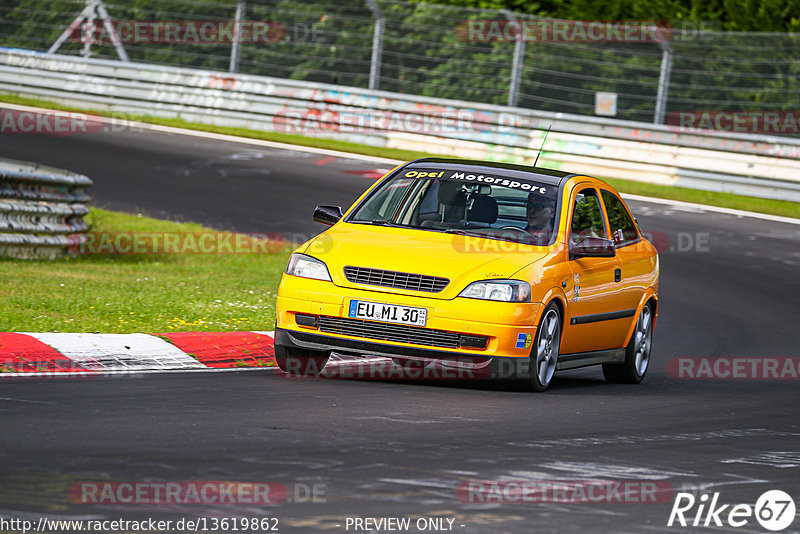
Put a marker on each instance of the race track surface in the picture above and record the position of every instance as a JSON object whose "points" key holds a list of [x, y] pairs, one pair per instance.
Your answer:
{"points": [[729, 288]]}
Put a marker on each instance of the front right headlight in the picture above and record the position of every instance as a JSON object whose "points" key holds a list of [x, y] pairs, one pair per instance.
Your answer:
{"points": [[502, 290], [307, 267]]}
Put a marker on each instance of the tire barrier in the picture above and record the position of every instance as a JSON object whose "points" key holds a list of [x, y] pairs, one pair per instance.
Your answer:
{"points": [[42, 210]]}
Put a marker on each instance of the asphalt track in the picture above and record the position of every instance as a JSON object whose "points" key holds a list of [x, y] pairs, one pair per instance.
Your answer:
{"points": [[729, 287]]}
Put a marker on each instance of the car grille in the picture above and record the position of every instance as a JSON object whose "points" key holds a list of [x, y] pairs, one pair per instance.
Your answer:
{"points": [[379, 277], [388, 332]]}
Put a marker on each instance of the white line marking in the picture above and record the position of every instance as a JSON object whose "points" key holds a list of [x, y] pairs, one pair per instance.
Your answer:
{"points": [[715, 209]]}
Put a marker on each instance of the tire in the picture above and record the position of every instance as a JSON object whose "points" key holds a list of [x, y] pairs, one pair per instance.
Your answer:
{"points": [[299, 362], [637, 353], [544, 352]]}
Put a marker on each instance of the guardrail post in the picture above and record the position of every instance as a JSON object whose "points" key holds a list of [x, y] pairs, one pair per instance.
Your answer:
{"points": [[377, 45], [237, 36], [517, 61], [663, 77]]}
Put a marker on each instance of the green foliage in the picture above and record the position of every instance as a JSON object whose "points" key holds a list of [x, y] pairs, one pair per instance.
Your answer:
{"points": [[424, 53]]}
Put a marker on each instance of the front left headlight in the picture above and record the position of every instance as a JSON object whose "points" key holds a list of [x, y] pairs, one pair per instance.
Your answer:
{"points": [[307, 267], [502, 290]]}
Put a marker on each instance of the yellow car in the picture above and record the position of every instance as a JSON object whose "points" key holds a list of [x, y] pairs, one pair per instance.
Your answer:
{"points": [[522, 271]]}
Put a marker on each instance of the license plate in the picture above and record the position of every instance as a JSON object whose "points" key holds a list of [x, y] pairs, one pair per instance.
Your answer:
{"points": [[390, 313]]}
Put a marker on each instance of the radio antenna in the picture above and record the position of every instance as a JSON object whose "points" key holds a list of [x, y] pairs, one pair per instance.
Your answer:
{"points": [[542, 147]]}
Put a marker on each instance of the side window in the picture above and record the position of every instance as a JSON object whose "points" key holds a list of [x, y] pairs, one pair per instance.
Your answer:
{"points": [[623, 229], [587, 217]]}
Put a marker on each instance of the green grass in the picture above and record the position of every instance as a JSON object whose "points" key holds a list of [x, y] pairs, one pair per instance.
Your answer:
{"points": [[727, 200], [140, 293]]}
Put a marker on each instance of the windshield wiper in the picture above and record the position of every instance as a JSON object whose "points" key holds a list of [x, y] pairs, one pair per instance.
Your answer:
{"points": [[382, 222], [461, 231]]}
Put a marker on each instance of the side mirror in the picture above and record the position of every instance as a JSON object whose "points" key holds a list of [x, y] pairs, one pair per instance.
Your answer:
{"points": [[592, 247], [329, 215]]}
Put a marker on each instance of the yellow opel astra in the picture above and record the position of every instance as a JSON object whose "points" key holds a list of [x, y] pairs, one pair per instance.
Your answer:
{"points": [[521, 271]]}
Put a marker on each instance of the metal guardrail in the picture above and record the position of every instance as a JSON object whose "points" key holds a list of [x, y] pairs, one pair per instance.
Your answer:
{"points": [[41, 210], [756, 165]]}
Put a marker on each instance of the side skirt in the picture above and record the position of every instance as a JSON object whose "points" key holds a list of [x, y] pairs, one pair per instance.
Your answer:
{"points": [[584, 359]]}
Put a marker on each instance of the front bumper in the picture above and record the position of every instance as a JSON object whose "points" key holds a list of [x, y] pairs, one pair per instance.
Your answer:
{"points": [[494, 367], [508, 328]]}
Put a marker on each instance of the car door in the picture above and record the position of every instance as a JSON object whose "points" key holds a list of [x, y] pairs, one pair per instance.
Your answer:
{"points": [[635, 262], [596, 298]]}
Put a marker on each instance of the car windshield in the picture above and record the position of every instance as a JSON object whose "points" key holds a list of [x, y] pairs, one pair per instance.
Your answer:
{"points": [[451, 200]]}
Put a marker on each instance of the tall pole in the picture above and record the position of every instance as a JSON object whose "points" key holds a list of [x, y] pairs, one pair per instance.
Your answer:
{"points": [[237, 36], [377, 45], [517, 61], [663, 77]]}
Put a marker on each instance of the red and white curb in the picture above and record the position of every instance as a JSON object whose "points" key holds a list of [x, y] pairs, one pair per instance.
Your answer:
{"points": [[26, 354], [71, 354]]}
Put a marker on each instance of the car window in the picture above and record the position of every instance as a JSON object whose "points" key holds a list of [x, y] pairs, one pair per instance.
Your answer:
{"points": [[511, 208], [587, 217], [623, 229]]}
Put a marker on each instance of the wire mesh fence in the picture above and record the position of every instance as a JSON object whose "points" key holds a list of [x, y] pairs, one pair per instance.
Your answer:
{"points": [[485, 56]]}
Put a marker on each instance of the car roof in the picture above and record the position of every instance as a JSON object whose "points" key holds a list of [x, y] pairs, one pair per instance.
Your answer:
{"points": [[545, 176]]}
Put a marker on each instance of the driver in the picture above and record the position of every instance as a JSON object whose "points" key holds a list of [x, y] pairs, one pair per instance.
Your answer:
{"points": [[540, 212]]}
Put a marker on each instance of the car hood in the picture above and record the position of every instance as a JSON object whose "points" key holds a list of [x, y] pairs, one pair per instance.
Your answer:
{"points": [[461, 259]]}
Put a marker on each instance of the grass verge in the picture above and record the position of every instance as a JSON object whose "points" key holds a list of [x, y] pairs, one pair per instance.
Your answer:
{"points": [[140, 293], [726, 200]]}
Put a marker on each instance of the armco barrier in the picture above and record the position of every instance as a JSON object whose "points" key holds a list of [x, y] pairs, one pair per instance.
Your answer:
{"points": [[756, 165], [41, 209]]}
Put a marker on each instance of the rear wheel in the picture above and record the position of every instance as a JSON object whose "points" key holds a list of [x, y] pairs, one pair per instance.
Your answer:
{"points": [[299, 362], [637, 353], [544, 354]]}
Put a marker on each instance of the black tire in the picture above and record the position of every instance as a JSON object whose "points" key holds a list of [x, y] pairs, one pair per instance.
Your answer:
{"points": [[544, 352], [299, 362], [637, 353]]}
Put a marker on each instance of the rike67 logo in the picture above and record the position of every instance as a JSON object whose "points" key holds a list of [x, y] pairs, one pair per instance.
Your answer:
{"points": [[774, 510]]}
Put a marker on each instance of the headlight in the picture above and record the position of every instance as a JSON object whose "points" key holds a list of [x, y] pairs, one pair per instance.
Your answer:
{"points": [[503, 290], [307, 267]]}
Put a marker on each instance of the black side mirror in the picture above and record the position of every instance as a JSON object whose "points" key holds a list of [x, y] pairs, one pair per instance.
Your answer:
{"points": [[329, 215], [592, 247]]}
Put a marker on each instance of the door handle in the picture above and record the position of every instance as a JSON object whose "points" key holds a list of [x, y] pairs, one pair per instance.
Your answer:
{"points": [[617, 274]]}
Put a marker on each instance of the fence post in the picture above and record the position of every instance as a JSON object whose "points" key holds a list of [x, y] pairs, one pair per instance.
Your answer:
{"points": [[517, 61], [377, 45], [237, 35], [663, 77]]}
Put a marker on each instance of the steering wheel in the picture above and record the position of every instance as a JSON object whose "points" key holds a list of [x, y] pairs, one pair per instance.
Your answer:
{"points": [[517, 228]]}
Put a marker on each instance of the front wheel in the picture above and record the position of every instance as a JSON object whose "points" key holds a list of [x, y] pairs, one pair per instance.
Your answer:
{"points": [[299, 362], [544, 354], [637, 353]]}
